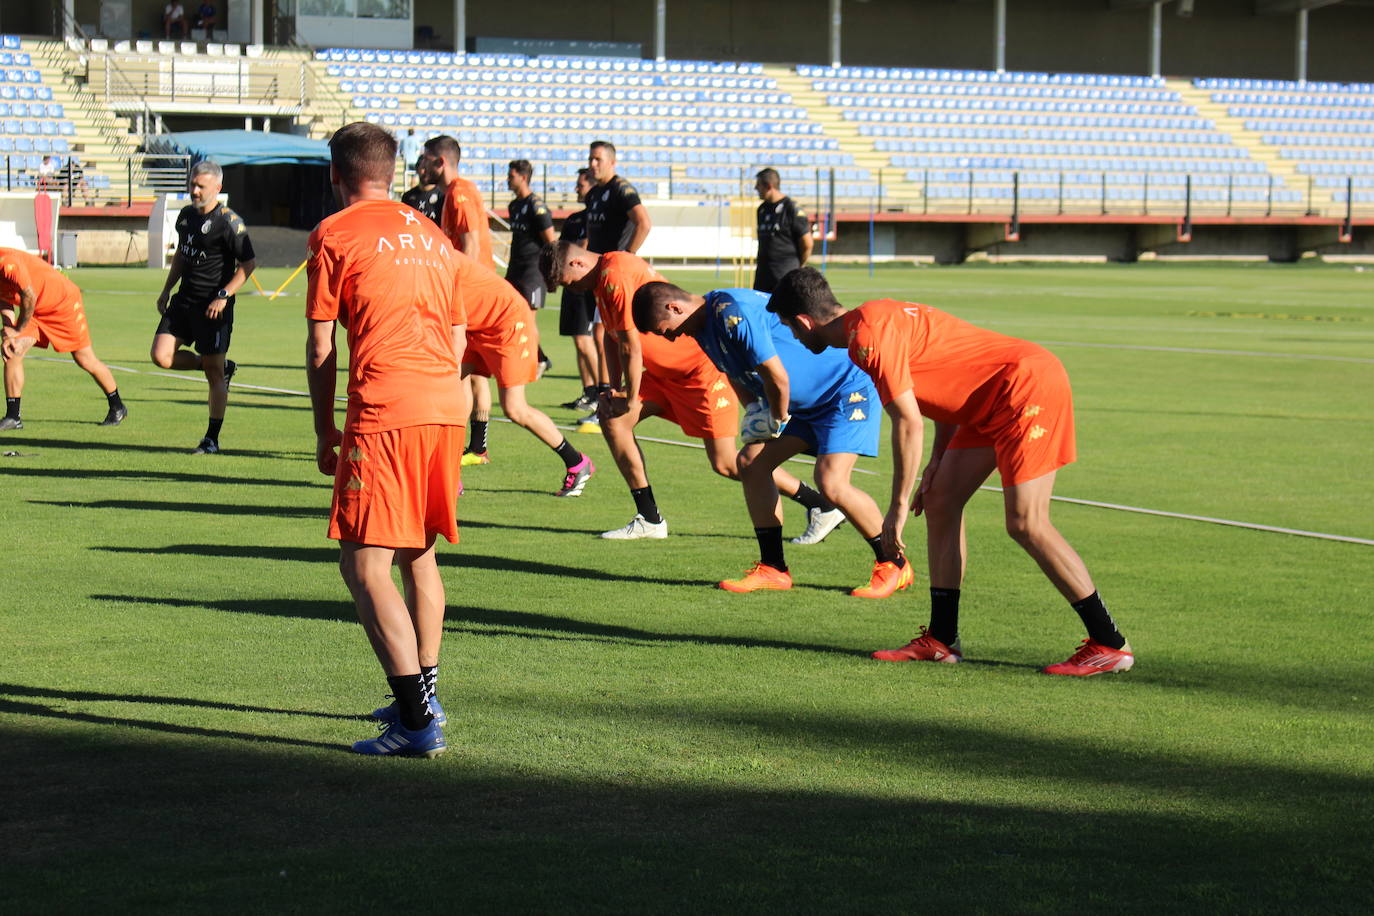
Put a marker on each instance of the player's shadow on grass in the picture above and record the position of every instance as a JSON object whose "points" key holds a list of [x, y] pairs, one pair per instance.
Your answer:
{"points": [[184, 508], [173, 476], [114, 446], [44, 693], [464, 522], [304, 407]]}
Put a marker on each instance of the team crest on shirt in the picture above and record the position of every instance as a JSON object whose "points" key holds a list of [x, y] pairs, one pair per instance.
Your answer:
{"points": [[857, 398], [857, 414], [1036, 432], [778, 208], [205, 226]]}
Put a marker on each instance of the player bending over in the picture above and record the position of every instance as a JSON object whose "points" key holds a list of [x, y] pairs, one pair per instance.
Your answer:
{"points": [[997, 402], [390, 278], [821, 404], [40, 307], [500, 346]]}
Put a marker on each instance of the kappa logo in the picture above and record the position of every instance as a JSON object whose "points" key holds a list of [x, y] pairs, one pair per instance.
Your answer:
{"points": [[525, 354], [857, 414], [354, 483], [863, 353], [857, 398], [722, 402], [721, 307], [524, 338], [520, 326], [732, 321], [1033, 410], [355, 454], [1036, 432], [720, 383]]}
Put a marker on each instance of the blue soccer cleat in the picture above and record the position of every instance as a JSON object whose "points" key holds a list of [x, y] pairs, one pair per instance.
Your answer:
{"points": [[398, 741], [391, 714]]}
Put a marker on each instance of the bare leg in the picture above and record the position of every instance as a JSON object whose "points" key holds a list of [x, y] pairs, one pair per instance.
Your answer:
{"points": [[519, 411], [381, 609], [1028, 522], [620, 436], [14, 376], [961, 472], [758, 471], [166, 353], [723, 456], [834, 478], [424, 597], [85, 358], [586, 358], [213, 366]]}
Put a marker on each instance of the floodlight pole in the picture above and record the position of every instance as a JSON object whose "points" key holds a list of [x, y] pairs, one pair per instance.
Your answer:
{"points": [[1156, 36], [835, 21], [1301, 49], [460, 26], [1000, 34], [660, 29]]}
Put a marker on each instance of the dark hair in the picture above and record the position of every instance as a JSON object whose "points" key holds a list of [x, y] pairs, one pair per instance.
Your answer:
{"points": [[551, 259], [649, 302], [445, 147], [769, 177], [522, 167], [585, 173], [604, 144], [363, 152], [804, 292]]}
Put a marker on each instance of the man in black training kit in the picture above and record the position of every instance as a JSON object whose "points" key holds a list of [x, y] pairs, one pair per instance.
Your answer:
{"points": [[531, 228], [577, 314], [784, 233], [214, 258], [426, 196], [616, 220]]}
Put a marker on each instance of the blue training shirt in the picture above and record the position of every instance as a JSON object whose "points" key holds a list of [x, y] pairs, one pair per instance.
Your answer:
{"points": [[740, 334]]}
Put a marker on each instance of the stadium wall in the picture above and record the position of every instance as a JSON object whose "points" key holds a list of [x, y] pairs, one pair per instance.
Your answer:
{"points": [[1221, 38]]}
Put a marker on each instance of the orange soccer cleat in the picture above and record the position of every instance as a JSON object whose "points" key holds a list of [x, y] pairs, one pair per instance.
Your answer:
{"points": [[887, 578], [759, 577], [1094, 658], [923, 648]]}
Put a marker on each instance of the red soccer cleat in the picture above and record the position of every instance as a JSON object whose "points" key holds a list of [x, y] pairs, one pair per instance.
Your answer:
{"points": [[759, 577], [923, 648], [1094, 658], [887, 578]]}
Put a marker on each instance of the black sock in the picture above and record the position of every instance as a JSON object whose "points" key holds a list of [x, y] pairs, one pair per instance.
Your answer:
{"points": [[570, 455], [429, 674], [1101, 627], [645, 505], [881, 555], [770, 547], [113, 399], [810, 499], [12, 408], [944, 614], [479, 436], [409, 690], [212, 431], [589, 392], [542, 358]]}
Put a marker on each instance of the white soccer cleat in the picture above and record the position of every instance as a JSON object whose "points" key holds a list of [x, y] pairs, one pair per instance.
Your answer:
{"points": [[638, 529], [819, 526]]}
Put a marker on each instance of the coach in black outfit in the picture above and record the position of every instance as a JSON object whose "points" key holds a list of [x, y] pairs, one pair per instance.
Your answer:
{"points": [[784, 233], [214, 258], [531, 228], [616, 220], [426, 196]]}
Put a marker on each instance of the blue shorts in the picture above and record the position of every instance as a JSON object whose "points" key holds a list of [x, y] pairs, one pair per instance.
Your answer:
{"points": [[848, 424]]}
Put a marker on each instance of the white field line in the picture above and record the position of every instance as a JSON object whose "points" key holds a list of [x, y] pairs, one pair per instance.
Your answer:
{"points": [[1253, 526]]}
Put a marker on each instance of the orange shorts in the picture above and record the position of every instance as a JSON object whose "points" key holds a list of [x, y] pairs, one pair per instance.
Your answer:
{"points": [[63, 329], [705, 408], [1032, 433], [507, 355], [397, 488]]}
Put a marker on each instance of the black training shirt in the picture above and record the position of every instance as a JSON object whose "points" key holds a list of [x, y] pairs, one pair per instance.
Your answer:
{"points": [[609, 227], [529, 219], [211, 247], [574, 227], [430, 203], [781, 227]]}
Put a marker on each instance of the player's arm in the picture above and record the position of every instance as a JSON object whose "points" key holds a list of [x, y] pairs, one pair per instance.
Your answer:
{"points": [[174, 273], [28, 301], [459, 334], [631, 362], [549, 236], [240, 277], [321, 367], [944, 432], [804, 246], [908, 440], [640, 214], [777, 388]]}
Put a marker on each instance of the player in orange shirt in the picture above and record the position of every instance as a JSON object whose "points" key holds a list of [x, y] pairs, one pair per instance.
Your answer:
{"points": [[997, 403], [465, 222], [387, 274], [499, 346], [40, 307]]}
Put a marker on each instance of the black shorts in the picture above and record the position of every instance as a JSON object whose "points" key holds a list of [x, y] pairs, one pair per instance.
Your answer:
{"points": [[187, 323], [531, 289], [767, 276], [578, 313]]}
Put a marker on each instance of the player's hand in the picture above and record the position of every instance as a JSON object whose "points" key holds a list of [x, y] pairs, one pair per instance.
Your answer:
{"points": [[615, 405], [212, 311], [162, 303], [918, 504], [11, 344], [893, 523], [326, 458]]}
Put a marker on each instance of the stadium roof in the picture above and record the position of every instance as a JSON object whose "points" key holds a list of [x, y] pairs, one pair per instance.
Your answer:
{"points": [[243, 147]]}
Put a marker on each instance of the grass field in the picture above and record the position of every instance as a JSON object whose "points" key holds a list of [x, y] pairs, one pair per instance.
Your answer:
{"points": [[183, 672]]}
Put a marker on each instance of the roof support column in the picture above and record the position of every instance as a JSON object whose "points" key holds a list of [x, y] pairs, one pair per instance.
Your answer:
{"points": [[835, 18], [1156, 36], [660, 29], [460, 26], [1301, 47], [999, 19]]}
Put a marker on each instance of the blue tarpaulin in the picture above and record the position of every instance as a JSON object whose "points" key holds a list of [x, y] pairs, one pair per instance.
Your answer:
{"points": [[242, 147]]}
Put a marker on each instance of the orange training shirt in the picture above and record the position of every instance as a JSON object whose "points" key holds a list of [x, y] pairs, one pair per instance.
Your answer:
{"points": [[489, 300], [388, 275], [621, 275], [465, 212], [20, 270]]}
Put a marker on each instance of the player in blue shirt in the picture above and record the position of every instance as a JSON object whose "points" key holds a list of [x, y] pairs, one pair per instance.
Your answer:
{"points": [[820, 404]]}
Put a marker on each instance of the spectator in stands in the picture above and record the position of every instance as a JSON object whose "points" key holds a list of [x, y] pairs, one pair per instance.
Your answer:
{"points": [[426, 196], [784, 233], [207, 18], [72, 177], [47, 174], [616, 220], [173, 17], [409, 148]]}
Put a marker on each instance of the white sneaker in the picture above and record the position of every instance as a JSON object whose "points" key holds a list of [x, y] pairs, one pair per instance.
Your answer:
{"points": [[820, 524], [637, 529]]}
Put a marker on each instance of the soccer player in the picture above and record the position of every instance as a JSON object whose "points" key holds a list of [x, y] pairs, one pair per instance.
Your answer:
{"points": [[465, 223], [214, 257], [784, 232], [997, 402], [426, 196], [531, 228], [500, 346], [822, 404], [616, 219], [40, 307], [390, 277]]}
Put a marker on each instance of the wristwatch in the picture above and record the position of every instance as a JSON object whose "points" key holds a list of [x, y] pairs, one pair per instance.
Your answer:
{"points": [[222, 294]]}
